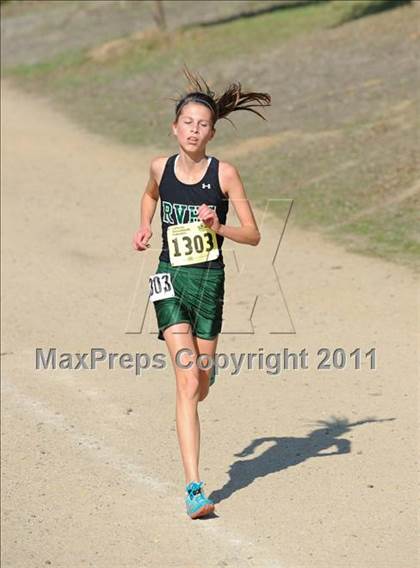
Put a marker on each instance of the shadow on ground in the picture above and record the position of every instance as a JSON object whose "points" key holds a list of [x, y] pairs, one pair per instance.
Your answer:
{"points": [[286, 452], [254, 13], [371, 8]]}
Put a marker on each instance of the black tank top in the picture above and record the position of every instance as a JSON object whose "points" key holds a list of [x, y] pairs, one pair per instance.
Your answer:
{"points": [[179, 203]]}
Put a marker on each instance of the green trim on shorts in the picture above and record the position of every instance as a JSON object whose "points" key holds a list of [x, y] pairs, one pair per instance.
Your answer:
{"points": [[191, 269]]}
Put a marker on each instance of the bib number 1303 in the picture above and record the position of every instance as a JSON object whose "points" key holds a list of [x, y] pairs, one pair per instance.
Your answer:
{"points": [[190, 243]]}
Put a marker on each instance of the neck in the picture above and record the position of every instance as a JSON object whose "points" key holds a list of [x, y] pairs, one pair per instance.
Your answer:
{"points": [[191, 161]]}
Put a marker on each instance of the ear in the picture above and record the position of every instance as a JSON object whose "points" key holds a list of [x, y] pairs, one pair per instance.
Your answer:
{"points": [[213, 133], [174, 129]]}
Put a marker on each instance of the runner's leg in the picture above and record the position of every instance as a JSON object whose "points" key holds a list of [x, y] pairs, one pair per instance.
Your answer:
{"points": [[177, 337], [205, 347]]}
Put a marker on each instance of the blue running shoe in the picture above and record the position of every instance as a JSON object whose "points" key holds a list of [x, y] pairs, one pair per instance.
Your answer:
{"points": [[198, 505]]}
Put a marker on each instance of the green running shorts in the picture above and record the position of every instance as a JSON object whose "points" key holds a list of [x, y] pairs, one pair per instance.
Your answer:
{"points": [[198, 300]]}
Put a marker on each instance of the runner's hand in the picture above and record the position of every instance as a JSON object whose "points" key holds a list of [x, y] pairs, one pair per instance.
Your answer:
{"points": [[141, 238], [209, 217]]}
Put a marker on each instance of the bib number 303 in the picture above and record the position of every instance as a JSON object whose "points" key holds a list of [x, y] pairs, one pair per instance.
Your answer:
{"points": [[160, 286], [190, 243]]}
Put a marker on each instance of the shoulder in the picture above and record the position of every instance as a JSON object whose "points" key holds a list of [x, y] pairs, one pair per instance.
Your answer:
{"points": [[228, 176], [157, 166], [227, 169]]}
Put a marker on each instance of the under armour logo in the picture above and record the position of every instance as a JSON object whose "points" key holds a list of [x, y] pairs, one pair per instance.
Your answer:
{"points": [[204, 185]]}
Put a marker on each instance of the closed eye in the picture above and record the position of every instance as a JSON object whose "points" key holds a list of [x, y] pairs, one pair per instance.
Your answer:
{"points": [[202, 123]]}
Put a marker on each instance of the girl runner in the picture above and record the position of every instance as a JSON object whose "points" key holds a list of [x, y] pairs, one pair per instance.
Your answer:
{"points": [[188, 287]]}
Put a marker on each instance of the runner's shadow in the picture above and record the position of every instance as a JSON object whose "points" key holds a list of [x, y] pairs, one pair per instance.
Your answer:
{"points": [[286, 452]]}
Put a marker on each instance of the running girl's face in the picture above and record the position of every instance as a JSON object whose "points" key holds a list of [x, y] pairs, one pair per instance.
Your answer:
{"points": [[194, 127]]}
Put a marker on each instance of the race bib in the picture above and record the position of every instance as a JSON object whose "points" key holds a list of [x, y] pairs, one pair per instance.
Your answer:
{"points": [[160, 287], [190, 243]]}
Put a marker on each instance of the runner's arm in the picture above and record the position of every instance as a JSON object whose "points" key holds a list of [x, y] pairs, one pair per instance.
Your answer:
{"points": [[150, 197], [148, 205], [248, 232]]}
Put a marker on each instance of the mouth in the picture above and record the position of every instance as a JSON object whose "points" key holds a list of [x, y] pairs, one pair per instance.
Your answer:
{"points": [[192, 140]]}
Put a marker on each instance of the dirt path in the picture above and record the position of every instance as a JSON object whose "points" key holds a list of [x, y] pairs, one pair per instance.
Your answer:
{"points": [[91, 466]]}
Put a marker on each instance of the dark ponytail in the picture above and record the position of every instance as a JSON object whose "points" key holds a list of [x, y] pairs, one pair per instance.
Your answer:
{"points": [[231, 100]]}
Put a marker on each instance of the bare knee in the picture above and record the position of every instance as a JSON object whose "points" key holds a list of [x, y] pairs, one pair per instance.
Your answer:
{"points": [[188, 384]]}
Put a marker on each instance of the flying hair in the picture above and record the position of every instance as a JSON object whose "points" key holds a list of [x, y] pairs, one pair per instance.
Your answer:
{"points": [[232, 100]]}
